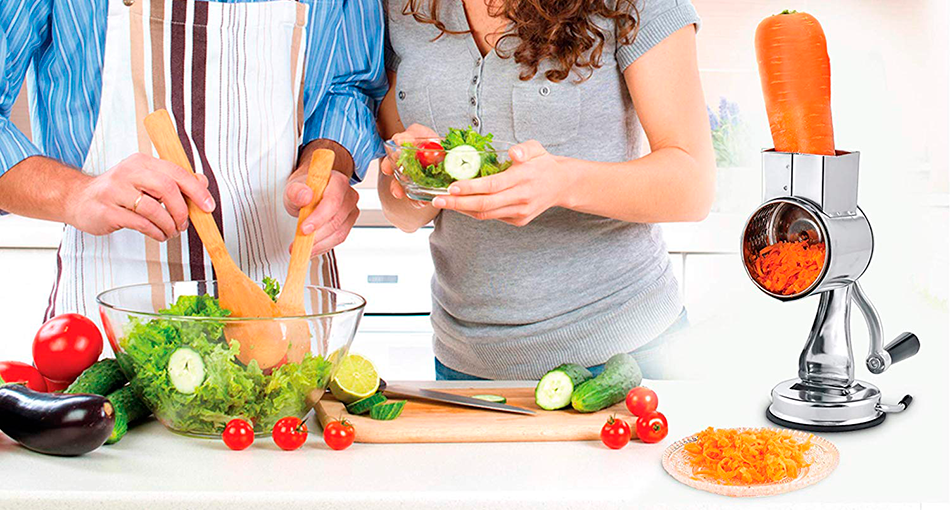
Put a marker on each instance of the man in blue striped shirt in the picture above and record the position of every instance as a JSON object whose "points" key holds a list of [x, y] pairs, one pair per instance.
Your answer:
{"points": [[60, 44]]}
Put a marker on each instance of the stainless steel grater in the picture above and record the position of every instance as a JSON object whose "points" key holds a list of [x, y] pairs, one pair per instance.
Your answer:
{"points": [[814, 198]]}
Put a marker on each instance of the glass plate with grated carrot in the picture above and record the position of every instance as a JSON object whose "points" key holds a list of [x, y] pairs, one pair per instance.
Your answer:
{"points": [[787, 268], [750, 461]]}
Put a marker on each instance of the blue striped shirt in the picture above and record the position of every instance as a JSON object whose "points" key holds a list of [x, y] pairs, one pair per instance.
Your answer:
{"points": [[60, 43]]}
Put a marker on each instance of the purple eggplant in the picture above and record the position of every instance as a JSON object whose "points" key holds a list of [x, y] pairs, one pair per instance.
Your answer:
{"points": [[55, 423]]}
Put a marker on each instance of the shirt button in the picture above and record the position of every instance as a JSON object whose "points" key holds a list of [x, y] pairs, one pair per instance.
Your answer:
{"points": [[475, 121], [478, 61], [473, 100], [402, 93], [545, 90], [128, 3], [474, 79]]}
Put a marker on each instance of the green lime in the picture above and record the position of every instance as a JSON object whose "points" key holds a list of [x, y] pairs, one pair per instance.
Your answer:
{"points": [[355, 379]]}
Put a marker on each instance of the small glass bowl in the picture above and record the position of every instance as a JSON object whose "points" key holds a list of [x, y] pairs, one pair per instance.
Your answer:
{"points": [[426, 191]]}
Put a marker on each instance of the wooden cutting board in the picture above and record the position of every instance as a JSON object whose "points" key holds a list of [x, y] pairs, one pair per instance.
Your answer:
{"points": [[430, 422]]}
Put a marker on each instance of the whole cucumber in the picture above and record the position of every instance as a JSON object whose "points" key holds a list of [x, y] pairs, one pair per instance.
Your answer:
{"points": [[620, 375], [102, 378], [128, 410], [55, 423]]}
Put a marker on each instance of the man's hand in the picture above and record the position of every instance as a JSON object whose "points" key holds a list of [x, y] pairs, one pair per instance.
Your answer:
{"points": [[142, 193], [335, 215]]}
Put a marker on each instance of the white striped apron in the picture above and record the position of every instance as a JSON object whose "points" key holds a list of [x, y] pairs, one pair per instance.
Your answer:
{"points": [[231, 77]]}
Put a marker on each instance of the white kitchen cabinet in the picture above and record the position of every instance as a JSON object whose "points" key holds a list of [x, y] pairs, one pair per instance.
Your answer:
{"points": [[28, 275]]}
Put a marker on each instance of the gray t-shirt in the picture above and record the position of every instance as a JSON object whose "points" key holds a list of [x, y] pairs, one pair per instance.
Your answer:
{"points": [[512, 302]]}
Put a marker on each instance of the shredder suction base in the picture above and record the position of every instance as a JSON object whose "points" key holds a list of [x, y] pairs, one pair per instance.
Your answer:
{"points": [[824, 428], [825, 407]]}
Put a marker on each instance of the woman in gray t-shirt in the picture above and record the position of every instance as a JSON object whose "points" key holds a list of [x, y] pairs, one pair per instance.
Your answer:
{"points": [[559, 258]]}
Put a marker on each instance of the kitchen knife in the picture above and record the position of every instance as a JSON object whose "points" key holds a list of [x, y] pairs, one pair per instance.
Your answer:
{"points": [[396, 390]]}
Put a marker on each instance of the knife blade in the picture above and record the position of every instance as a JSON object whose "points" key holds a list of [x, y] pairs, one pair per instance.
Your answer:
{"points": [[396, 390]]}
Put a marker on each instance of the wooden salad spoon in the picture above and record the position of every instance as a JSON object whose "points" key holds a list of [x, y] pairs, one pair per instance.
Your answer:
{"points": [[262, 340], [291, 300]]}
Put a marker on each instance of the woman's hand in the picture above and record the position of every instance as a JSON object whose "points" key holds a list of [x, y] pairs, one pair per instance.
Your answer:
{"points": [[413, 132], [333, 218], [141, 193], [536, 182]]}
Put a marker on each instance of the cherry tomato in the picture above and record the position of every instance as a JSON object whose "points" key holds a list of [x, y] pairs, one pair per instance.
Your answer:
{"points": [[430, 153], [290, 433], [53, 386], [651, 427], [16, 372], [615, 434], [65, 346], [641, 401], [339, 435], [238, 434]]}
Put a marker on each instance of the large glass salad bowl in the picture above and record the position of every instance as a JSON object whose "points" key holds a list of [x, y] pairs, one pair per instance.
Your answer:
{"points": [[172, 341], [425, 167]]}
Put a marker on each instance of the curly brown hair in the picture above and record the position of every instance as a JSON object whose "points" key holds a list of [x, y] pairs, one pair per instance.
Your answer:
{"points": [[559, 30]]}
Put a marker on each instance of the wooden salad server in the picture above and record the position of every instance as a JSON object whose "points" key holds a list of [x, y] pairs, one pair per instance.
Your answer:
{"points": [[260, 340], [291, 300]]}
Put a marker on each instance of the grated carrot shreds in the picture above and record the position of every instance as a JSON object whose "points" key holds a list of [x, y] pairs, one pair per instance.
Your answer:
{"points": [[747, 457], [788, 268]]}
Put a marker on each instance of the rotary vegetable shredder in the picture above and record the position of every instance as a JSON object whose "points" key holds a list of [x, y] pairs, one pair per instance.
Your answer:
{"points": [[813, 198]]}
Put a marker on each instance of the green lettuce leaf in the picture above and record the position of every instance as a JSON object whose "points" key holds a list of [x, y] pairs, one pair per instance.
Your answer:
{"points": [[271, 287]]}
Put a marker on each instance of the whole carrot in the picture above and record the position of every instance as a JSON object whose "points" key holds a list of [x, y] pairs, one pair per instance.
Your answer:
{"points": [[796, 82]]}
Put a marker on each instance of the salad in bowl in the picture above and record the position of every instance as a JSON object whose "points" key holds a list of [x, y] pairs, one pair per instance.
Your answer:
{"points": [[171, 340], [425, 167]]}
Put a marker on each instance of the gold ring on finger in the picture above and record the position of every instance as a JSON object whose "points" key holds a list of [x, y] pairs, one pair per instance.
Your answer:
{"points": [[138, 201]]}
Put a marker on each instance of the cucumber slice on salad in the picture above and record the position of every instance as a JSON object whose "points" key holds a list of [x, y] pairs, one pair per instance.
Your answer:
{"points": [[463, 162], [186, 370]]}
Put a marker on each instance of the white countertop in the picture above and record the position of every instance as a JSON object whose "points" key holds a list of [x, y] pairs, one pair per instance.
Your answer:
{"points": [[155, 469]]}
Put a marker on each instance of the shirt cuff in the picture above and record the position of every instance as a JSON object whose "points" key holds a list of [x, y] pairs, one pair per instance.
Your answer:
{"points": [[14, 146], [354, 128], [655, 31]]}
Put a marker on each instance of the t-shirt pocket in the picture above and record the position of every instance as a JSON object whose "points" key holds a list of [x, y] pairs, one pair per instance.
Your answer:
{"points": [[412, 102], [545, 111]]}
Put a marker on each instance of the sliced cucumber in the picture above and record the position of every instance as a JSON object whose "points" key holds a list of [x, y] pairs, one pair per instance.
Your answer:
{"points": [[497, 399], [463, 162], [387, 410], [554, 390], [186, 370], [363, 406]]}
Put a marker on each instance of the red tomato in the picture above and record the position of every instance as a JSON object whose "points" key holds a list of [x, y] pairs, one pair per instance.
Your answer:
{"points": [[52, 386], [615, 434], [641, 401], [430, 153], [290, 433], [65, 346], [651, 427], [16, 372], [238, 434], [339, 435]]}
